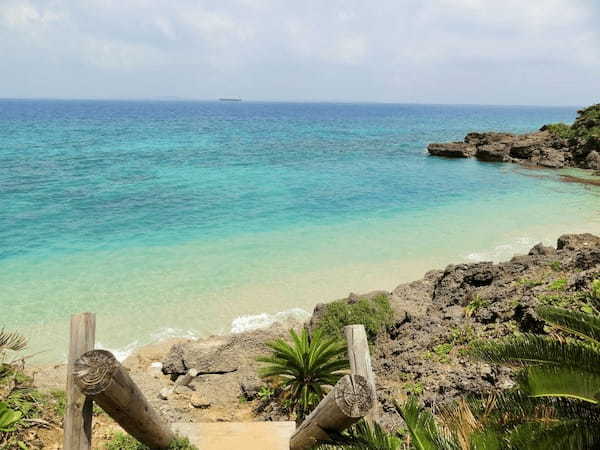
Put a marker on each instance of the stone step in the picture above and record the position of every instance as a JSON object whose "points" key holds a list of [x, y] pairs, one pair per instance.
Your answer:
{"points": [[238, 435]]}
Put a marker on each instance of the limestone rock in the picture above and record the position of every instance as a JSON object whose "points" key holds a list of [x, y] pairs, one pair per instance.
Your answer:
{"points": [[452, 150], [541, 249], [578, 241]]}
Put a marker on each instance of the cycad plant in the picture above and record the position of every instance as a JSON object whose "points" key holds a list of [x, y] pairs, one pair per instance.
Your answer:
{"points": [[9, 415], [558, 403], [304, 368], [363, 436]]}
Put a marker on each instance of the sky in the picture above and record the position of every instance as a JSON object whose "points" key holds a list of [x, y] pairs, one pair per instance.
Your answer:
{"points": [[531, 52]]}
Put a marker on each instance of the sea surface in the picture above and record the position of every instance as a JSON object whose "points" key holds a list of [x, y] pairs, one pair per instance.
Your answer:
{"points": [[194, 218]]}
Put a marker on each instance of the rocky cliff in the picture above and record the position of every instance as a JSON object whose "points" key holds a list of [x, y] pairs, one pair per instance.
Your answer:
{"points": [[553, 146], [422, 353]]}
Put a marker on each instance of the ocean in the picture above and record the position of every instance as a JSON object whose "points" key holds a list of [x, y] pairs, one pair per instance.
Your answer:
{"points": [[194, 218]]}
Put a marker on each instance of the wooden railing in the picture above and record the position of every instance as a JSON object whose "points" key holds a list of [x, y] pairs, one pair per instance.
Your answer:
{"points": [[97, 376], [351, 399]]}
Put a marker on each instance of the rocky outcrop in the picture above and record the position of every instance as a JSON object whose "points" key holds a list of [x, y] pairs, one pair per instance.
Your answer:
{"points": [[452, 150], [422, 353], [535, 149], [553, 146]]}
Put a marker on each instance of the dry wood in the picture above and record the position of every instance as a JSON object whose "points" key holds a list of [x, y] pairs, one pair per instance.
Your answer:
{"points": [[100, 376], [78, 411], [360, 361], [349, 400]]}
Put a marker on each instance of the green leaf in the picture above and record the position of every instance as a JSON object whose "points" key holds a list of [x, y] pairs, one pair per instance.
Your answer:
{"points": [[422, 428], [531, 349], [562, 382], [581, 324], [8, 418]]}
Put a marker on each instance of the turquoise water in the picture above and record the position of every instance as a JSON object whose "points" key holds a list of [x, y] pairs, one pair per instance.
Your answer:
{"points": [[192, 218]]}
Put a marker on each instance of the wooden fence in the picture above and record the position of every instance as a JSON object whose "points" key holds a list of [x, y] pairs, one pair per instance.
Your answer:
{"points": [[97, 376]]}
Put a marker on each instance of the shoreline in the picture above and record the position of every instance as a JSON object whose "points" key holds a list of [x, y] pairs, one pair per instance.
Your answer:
{"points": [[263, 320], [427, 313]]}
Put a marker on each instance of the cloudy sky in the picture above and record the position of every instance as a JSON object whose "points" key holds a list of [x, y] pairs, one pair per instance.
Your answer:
{"points": [[429, 51]]}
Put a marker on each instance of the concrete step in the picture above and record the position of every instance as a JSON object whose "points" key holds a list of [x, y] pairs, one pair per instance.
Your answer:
{"points": [[238, 435]]}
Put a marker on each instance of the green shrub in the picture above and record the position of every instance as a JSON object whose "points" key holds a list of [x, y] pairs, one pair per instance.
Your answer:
{"points": [[414, 388], [265, 393], [560, 129], [304, 368], [558, 285], [526, 282], [556, 266], [122, 441], [375, 314], [595, 290], [474, 305]]}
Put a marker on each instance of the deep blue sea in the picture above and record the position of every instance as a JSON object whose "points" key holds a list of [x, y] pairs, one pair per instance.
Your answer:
{"points": [[192, 218]]}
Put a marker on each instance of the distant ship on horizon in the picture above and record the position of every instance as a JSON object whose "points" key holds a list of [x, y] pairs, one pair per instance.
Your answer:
{"points": [[230, 99]]}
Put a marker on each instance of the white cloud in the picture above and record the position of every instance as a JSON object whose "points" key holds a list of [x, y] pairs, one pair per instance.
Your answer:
{"points": [[396, 50]]}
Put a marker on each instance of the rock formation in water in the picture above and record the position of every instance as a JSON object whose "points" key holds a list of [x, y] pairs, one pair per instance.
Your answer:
{"points": [[554, 146]]}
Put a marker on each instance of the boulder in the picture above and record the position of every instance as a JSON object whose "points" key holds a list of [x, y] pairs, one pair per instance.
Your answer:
{"points": [[592, 160], [551, 158], [498, 152], [577, 241], [452, 150], [541, 249], [487, 138]]}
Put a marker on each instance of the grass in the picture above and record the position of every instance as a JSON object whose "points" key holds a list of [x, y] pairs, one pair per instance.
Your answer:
{"points": [[442, 351], [265, 393], [526, 282], [414, 388], [462, 335], [556, 266], [474, 305], [558, 285], [122, 441], [375, 314]]}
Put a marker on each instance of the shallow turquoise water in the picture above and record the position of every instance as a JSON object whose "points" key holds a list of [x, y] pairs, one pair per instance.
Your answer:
{"points": [[170, 218]]}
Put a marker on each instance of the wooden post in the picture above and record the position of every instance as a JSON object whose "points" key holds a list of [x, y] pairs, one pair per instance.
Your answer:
{"points": [[78, 411], [360, 361], [100, 376], [349, 400]]}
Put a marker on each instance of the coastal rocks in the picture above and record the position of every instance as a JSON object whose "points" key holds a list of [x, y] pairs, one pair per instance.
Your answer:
{"points": [[422, 352], [541, 148], [592, 160], [452, 150], [498, 152], [541, 249], [577, 241]]}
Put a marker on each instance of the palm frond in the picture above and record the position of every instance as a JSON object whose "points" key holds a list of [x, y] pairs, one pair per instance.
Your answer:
{"points": [[561, 382], [529, 349], [424, 432], [305, 365], [363, 436], [11, 341], [563, 435], [584, 325]]}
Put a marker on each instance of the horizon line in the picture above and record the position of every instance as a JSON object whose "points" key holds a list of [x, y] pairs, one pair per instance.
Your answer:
{"points": [[297, 101]]}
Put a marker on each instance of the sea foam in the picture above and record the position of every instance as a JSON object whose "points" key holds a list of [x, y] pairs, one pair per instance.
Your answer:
{"points": [[264, 320]]}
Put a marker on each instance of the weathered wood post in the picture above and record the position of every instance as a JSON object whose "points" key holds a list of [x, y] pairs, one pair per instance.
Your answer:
{"points": [[360, 361], [349, 400], [78, 411], [101, 377]]}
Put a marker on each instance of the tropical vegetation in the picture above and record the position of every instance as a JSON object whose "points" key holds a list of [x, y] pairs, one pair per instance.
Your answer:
{"points": [[375, 314], [304, 368]]}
